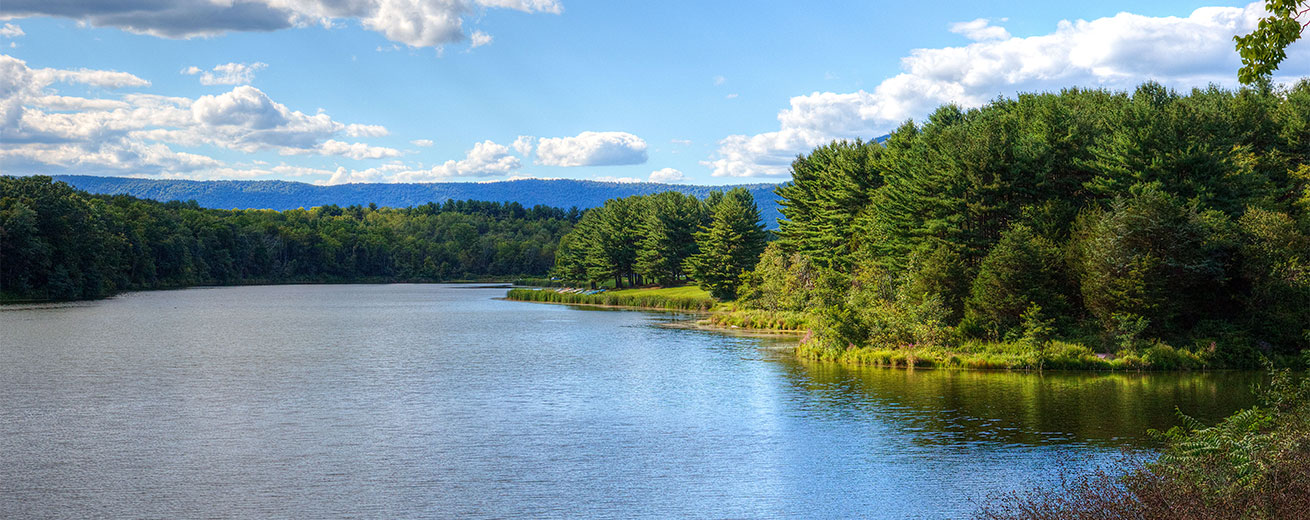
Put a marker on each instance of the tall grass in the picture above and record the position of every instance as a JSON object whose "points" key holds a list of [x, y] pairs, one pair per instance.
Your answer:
{"points": [[638, 298], [756, 319], [1014, 355]]}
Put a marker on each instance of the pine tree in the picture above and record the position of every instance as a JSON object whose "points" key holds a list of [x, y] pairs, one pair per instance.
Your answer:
{"points": [[829, 187], [729, 245], [668, 235]]}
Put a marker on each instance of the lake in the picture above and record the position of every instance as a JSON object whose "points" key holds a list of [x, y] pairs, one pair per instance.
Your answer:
{"points": [[390, 401]]}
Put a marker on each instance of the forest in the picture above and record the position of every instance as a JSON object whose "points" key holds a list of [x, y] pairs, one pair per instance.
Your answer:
{"points": [[59, 243], [1163, 229], [1078, 229]]}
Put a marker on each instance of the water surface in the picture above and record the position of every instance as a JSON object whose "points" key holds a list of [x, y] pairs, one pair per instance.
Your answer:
{"points": [[387, 401]]}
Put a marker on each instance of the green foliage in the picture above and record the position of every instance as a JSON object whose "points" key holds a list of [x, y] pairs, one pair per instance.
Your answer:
{"points": [[642, 298], [1265, 48], [1150, 255], [1276, 266], [1133, 221], [781, 282], [828, 189], [59, 243], [1021, 271], [668, 229], [729, 246]]}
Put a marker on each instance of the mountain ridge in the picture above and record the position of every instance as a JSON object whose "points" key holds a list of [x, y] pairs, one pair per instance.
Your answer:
{"points": [[284, 195]]}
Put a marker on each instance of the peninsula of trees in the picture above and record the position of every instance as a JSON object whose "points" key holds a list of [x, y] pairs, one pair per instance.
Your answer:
{"points": [[1079, 229]]}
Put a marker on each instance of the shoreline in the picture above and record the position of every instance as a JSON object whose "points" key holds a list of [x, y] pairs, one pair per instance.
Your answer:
{"points": [[490, 284], [1036, 361]]}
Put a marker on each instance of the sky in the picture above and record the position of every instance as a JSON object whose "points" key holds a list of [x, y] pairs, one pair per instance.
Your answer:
{"points": [[339, 91]]}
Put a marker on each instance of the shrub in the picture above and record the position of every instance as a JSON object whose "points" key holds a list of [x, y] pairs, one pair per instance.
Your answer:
{"points": [[1021, 270]]}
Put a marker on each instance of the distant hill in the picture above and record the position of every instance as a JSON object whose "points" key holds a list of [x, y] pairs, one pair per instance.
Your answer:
{"points": [[280, 195]]}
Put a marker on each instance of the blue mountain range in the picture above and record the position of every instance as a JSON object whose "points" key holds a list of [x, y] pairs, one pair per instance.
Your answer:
{"points": [[282, 195]]}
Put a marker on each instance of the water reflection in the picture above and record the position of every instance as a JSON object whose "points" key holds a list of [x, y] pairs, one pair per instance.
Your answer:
{"points": [[951, 407]]}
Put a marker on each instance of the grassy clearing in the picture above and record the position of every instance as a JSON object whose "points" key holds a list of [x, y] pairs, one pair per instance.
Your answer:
{"points": [[669, 298]]}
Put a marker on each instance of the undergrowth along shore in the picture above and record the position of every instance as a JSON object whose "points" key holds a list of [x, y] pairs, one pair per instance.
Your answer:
{"points": [[970, 354], [674, 298]]}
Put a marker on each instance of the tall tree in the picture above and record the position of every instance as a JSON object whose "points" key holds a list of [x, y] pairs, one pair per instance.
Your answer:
{"points": [[730, 245], [668, 229], [829, 187]]}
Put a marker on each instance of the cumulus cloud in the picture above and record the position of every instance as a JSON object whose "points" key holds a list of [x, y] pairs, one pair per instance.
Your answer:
{"points": [[10, 30], [485, 159], [667, 176], [592, 149], [980, 29], [523, 144], [479, 39], [95, 78], [1116, 52], [227, 73], [355, 151], [44, 131], [358, 130], [417, 23], [422, 142]]}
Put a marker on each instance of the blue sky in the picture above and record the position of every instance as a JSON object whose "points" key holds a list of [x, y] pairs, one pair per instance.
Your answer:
{"points": [[479, 90]]}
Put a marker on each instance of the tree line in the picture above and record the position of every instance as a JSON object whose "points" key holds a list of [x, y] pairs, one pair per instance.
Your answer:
{"points": [[1111, 219], [59, 243], [667, 239]]}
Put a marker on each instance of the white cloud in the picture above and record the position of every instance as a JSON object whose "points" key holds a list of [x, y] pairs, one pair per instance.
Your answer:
{"points": [[980, 30], [417, 23], [355, 151], [731, 96], [523, 144], [422, 142], [479, 39], [95, 78], [592, 149], [43, 131], [10, 30], [1117, 52], [227, 73], [719, 80], [622, 180], [667, 176], [684, 142], [485, 159], [358, 130]]}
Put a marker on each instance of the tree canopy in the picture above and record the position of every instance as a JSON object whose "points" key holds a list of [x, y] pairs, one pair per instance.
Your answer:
{"points": [[60, 243]]}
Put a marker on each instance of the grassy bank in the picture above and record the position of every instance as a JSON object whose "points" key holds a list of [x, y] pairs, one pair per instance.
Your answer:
{"points": [[671, 298], [1018, 355], [968, 354], [733, 317]]}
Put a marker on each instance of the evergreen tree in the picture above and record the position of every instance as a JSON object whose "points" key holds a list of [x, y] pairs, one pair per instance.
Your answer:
{"points": [[668, 235], [829, 187], [730, 245]]}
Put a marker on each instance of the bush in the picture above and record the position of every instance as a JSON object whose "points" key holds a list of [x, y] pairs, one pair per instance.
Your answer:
{"points": [[1021, 270]]}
